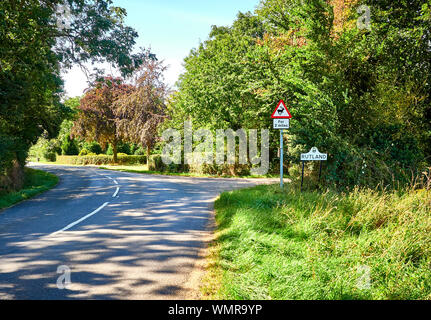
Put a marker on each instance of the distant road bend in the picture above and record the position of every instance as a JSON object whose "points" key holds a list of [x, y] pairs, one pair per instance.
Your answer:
{"points": [[121, 235]]}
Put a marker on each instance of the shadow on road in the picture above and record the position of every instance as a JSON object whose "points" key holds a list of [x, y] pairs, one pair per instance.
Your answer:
{"points": [[143, 245]]}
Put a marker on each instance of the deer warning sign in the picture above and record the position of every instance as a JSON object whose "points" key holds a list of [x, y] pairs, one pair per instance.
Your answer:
{"points": [[281, 119], [281, 112]]}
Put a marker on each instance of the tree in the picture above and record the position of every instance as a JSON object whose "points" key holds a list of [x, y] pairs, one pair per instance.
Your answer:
{"points": [[69, 146], [34, 48], [139, 114], [97, 117], [361, 95]]}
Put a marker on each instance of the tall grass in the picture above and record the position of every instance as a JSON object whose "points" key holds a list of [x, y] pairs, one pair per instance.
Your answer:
{"points": [[275, 244], [36, 182]]}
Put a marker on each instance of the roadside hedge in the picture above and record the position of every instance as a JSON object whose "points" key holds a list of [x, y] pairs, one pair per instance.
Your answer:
{"points": [[156, 164], [101, 159]]}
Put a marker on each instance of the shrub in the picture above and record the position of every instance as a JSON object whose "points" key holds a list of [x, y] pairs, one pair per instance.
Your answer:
{"points": [[121, 148], [155, 163], [12, 178], [140, 152], [134, 148], [223, 169], [45, 149], [92, 147], [34, 182], [126, 159], [124, 148], [109, 151], [83, 152], [49, 156], [69, 147], [101, 159]]}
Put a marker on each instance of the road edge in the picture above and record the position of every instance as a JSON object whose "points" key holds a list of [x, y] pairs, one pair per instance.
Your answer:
{"points": [[193, 286], [34, 195]]}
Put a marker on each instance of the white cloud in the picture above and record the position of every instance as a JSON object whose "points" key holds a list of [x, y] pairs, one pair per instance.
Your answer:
{"points": [[75, 82]]}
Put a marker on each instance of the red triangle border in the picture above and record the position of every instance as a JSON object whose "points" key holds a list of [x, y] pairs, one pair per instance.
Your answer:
{"points": [[273, 116]]}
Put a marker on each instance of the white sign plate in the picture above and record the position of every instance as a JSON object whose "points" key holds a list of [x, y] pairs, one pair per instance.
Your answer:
{"points": [[314, 155], [281, 123]]}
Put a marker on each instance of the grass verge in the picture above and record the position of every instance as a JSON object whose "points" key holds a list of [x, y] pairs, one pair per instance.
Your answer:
{"points": [[144, 170], [36, 182], [274, 244]]}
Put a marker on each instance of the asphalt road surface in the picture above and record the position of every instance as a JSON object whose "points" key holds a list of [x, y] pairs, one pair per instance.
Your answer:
{"points": [[121, 235]]}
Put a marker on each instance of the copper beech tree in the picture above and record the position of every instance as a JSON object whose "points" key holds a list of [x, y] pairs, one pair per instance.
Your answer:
{"points": [[139, 114], [97, 117], [113, 111]]}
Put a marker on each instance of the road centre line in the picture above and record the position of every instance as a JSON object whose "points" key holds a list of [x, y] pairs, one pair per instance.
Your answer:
{"points": [[80, 220], [116, 192], [114, 180], [71, 225]]}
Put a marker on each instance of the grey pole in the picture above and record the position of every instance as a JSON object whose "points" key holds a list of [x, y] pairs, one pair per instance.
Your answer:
{"points": [[281, 158], [302, 175]]}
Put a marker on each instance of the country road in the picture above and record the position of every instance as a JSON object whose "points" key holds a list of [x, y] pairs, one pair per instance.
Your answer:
{"points": [[122, 235]]}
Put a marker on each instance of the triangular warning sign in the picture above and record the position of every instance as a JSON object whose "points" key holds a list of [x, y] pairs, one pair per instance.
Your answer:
{"points": [[281, 112]]}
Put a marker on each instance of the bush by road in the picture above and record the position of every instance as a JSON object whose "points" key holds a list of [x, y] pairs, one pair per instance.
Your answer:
{"points": [[36, 182]]}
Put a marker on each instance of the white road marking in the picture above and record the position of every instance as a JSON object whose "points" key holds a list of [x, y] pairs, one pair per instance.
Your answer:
{"points": [[80, 220], [116, 192], [104, 175], [115, 181], [92, 213]]}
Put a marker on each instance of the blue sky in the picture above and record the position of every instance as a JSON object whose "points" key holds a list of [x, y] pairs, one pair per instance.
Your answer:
{"points": [[171, 28]]}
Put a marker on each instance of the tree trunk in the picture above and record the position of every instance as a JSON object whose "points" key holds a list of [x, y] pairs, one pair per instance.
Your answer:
{"points": [[114, 150]]}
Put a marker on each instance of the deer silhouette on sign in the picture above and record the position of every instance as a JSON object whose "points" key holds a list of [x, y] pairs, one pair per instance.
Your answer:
{"points": [[280, 111]]}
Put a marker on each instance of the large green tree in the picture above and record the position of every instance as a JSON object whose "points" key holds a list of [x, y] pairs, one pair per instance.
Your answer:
{"points": [[361, 94], [34, 47]]}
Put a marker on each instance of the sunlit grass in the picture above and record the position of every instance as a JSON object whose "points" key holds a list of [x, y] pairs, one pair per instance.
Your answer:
{"points": [[274, 244], [144, 170], [134, 168], [36, 182]]}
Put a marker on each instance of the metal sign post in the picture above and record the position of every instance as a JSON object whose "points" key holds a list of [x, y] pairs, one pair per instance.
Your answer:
{"points": [[281, 120], [281, 158], [302, 175]]}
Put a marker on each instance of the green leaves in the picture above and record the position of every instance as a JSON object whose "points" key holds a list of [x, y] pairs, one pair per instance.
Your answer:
{"points": [[33, 49], [343, 85]]}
